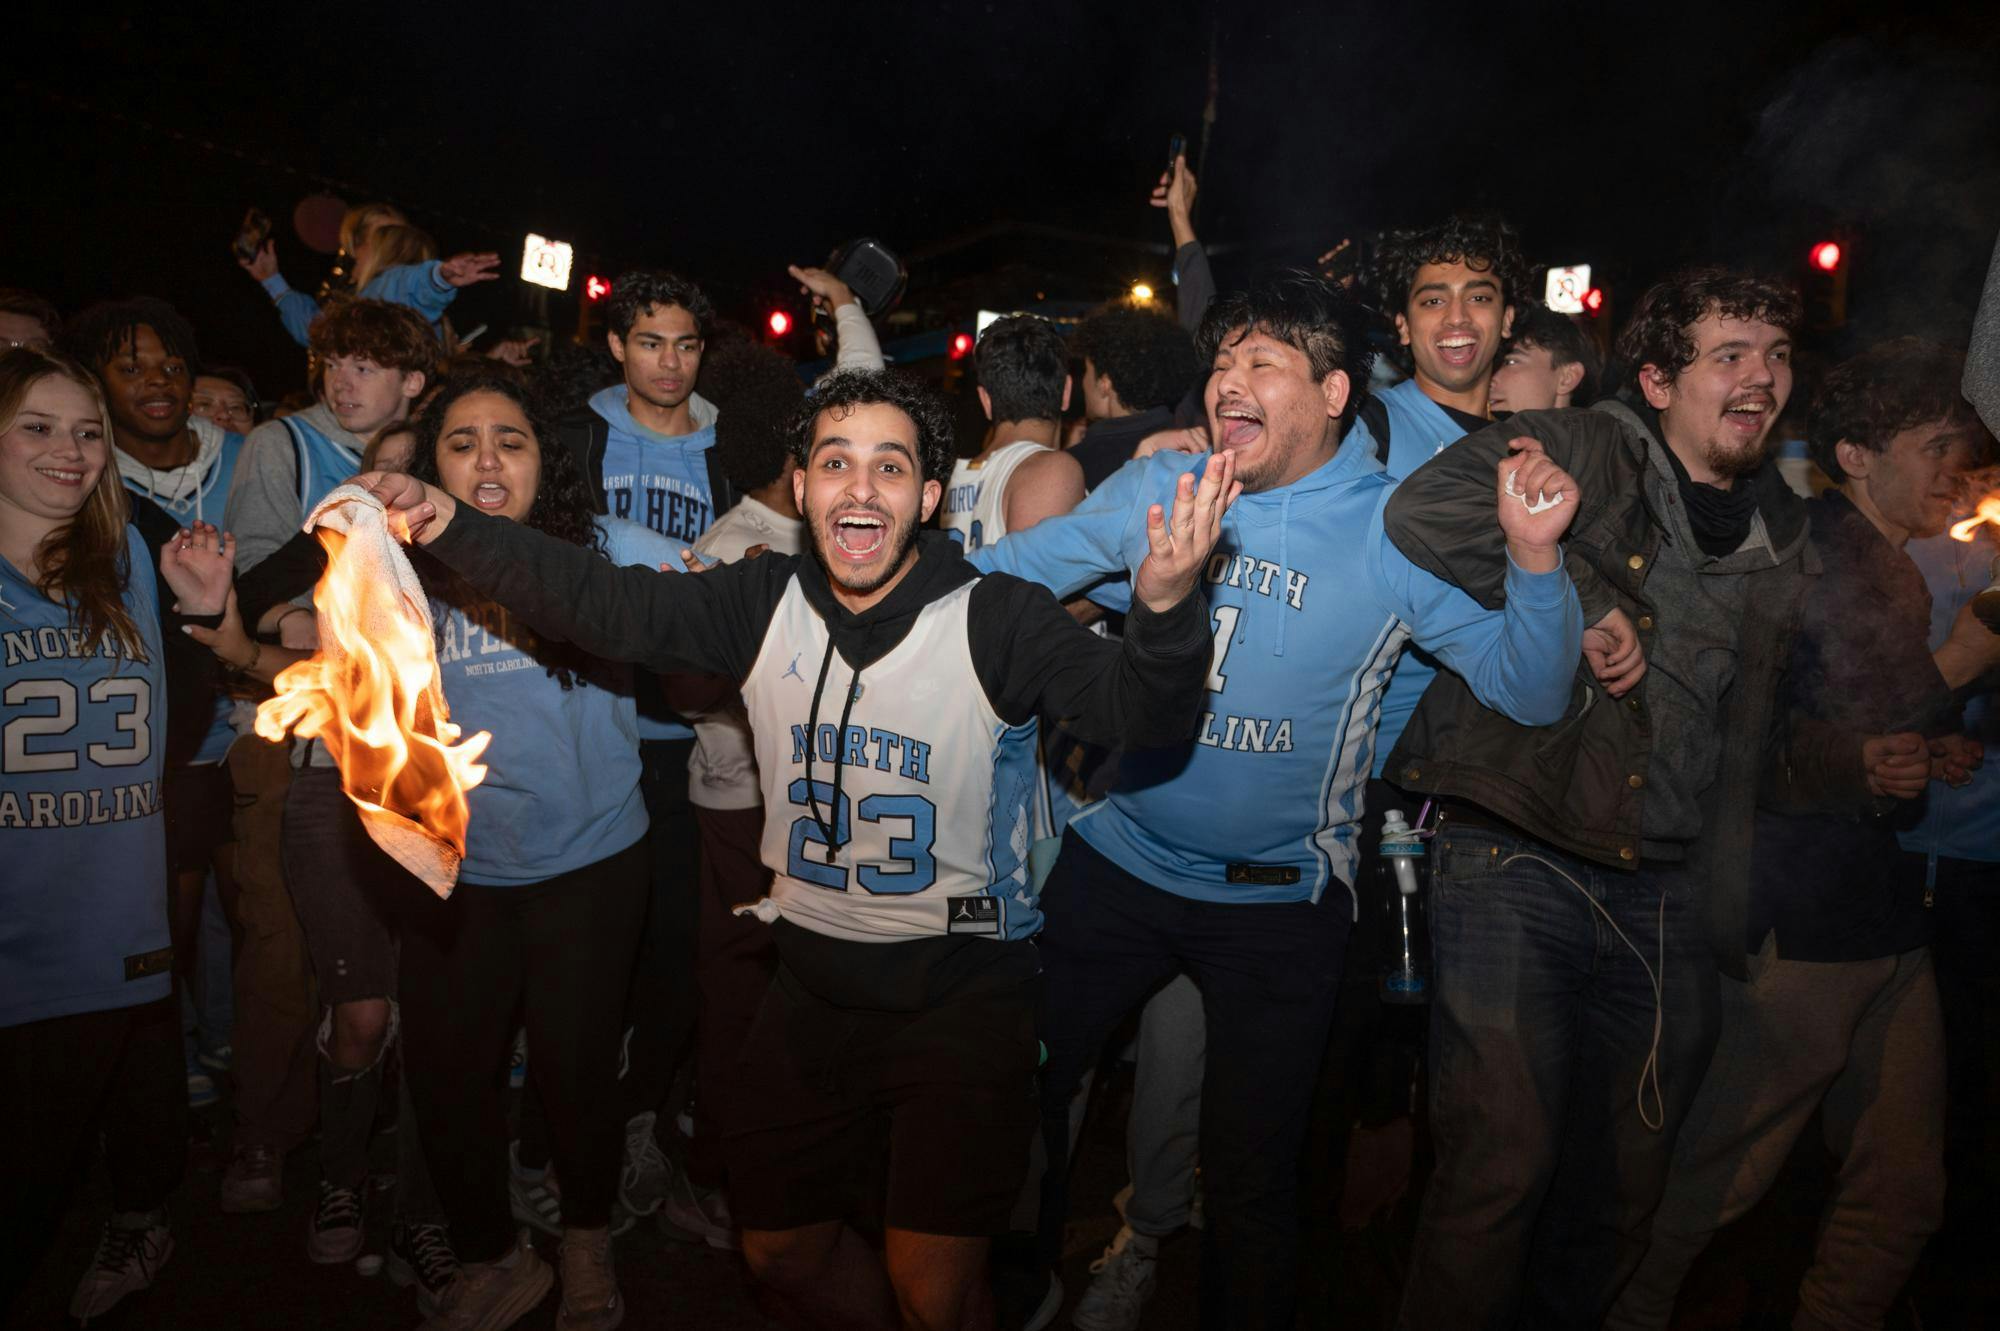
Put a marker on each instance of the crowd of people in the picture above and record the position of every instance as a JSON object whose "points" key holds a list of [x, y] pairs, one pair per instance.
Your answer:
{"points": [[866, 762]]}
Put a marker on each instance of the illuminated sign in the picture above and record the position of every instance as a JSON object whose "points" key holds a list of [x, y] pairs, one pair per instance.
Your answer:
{"points": [[1567, 287], [545, 262]]}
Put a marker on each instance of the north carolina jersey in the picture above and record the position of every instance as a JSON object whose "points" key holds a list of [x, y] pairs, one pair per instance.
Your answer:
{"points": [[324, 463], [934, 811], [83, 899], [975, 503]]}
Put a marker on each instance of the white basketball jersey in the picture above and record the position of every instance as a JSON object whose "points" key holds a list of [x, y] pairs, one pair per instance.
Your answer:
{"points": [[975, 503], [934, 815]]}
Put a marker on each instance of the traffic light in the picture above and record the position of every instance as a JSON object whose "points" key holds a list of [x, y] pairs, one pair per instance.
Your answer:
{"points": [[1825, 285], [779, 323], [590, 310], [596, 288], [1592, 301], [961, 345]]}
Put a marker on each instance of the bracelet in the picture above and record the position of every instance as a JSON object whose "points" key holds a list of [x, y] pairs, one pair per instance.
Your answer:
{"points": [[256, 654], [213, 621], [294, 610]]}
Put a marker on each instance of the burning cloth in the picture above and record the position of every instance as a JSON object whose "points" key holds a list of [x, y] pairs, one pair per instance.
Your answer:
{"points": [[371, 695]]}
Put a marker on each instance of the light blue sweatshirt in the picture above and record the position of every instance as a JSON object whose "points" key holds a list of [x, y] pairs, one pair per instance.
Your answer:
{"points": [[1964, 823], [562, 772], [416, 285], [1311, 604], [1419, 429]]}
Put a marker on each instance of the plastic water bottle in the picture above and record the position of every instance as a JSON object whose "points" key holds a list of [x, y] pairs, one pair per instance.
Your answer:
{"points": [[1406, 975]]}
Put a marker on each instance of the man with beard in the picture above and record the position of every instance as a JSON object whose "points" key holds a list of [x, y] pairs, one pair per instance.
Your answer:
{"points": [[1840, 1014], [896, 790], [1233, 857], [1591, 875]]}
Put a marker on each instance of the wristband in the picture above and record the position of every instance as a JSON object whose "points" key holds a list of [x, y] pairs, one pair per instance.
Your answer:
{"points": [[279, 622], [213, 621]]}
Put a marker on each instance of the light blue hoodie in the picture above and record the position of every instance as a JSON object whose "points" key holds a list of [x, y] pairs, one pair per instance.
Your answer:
{"points": [[1311, 606], [1964, 823], [416, 285]]}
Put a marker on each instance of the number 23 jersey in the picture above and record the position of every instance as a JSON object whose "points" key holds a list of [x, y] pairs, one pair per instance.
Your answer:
{"points": [[83, 920], [933, 808]]}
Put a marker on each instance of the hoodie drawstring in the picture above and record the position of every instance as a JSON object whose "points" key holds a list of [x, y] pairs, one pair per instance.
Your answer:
{"points": [[829, 833]]}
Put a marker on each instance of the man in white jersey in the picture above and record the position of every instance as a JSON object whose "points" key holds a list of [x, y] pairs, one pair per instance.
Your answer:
{"points": [[1020, 476], [896, 792]]}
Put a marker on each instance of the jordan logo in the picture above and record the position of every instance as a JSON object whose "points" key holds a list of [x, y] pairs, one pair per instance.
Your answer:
{"points": [[792, 670]]}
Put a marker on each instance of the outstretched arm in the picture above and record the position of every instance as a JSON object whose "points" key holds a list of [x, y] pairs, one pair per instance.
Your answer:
{"points": [[569, 593]]}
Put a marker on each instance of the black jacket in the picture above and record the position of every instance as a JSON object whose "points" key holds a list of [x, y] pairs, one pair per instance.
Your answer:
{"points": [[1580, 784], [194, 677]]}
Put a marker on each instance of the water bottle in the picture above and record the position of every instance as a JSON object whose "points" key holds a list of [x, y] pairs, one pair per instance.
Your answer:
{"points": [[1402, 862]]}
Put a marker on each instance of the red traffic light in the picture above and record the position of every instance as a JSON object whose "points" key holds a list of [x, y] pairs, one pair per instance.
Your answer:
{"points": [[1593, 300], [779, 323], [961, 345], [1826, 256], [595, 287]]}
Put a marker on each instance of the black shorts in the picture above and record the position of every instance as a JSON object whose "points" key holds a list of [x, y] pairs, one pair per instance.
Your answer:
{"points": [[200, 808], [918, 1117], [348, 892]]}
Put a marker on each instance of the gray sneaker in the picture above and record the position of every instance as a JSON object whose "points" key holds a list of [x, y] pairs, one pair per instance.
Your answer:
{"points": [[590, 1298], [1121, 1281], [129, 1257], [254, 1181], [642, 1184], [335, 1233], [492, 1296]]}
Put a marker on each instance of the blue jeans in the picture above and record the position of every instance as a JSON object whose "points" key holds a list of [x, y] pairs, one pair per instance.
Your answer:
{"points": [[1547, 1174], [1268, 973]]}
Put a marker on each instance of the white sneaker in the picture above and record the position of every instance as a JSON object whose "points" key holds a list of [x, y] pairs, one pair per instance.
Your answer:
{"points": [[1045, 1311], [128, 1259], [1120, 1283], [642, 1183]]}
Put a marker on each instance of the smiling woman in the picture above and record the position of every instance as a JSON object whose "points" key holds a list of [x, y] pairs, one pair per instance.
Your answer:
{"points": [[85, 1011]]}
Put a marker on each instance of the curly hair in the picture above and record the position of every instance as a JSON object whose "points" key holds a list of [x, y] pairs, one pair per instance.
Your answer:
{"points": [[1658, 334], [564, 506], [1482, 243], [570, 374], [842, 391], [636, 292], [393, 336], [1022, 362], [103, 331], [1871, 398], [1148, 357], [1304, 311], [756, 394]]}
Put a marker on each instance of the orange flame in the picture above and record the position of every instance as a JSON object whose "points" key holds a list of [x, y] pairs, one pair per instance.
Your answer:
{"points": [[1988, 511], [373, 698]]}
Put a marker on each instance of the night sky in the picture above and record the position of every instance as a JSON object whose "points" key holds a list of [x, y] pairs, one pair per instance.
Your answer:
{"points": [[726, 140]]}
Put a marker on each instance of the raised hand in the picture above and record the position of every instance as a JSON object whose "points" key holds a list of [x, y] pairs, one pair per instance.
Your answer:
{"points": [[462, 270], [1537, 501], [1897, 765], [1611, 646], [417, 512], [827, 291], [1180, 544], [199, 564], [1175, 193], [265, 264], [518, 352]]}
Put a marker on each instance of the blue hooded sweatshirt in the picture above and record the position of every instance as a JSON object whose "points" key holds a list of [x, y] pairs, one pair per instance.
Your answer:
{"points": [[1311, 605], [416, 285], [1962, 823]]}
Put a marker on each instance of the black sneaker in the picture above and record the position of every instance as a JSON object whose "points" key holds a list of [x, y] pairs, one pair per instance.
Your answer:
{"points": [[336, 1233], [421, 1255]]}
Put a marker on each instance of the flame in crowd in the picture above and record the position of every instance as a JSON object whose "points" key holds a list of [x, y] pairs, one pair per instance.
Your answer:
{"points": [[1988, 511], [375, 701]]}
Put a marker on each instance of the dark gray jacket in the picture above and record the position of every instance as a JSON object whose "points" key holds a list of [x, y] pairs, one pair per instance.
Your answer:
{"points": [[1580, 784]]}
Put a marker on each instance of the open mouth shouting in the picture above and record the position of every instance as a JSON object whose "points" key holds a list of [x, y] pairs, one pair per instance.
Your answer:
{"points": [[859, 534], [1458, 350], [1750, 416], [1240, 424], [490, 496]]}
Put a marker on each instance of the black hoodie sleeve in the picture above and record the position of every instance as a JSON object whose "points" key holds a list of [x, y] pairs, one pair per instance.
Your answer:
{"points": [[1033, 659], [711, 622]]}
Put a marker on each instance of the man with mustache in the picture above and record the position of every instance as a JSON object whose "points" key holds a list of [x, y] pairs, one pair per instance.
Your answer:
{"points": [[1591, 875], [1840, 1013], [892, 693]]}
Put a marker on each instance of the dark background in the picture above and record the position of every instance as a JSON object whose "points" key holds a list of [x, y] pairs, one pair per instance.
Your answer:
{"points": [[726, 140]]}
